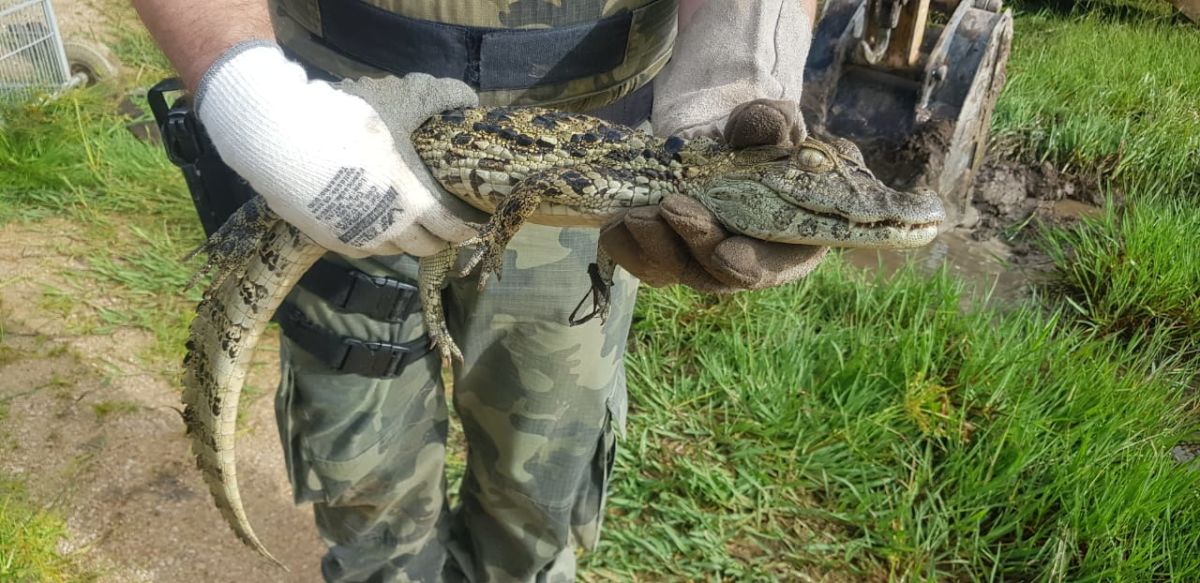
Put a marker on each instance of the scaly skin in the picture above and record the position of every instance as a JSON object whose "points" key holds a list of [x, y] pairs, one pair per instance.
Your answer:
{"points": [[540, 166]]}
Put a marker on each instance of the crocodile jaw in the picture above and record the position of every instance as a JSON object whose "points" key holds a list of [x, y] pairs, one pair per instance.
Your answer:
{"points": [[754, 209], [813, 229]]}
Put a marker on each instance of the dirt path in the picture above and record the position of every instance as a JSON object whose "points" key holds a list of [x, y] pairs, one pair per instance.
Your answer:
{"points": [[95, 436]]}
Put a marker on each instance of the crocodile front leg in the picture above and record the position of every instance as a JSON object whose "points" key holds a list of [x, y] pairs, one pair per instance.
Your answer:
{"points": [[494, 236], [575, 188]]}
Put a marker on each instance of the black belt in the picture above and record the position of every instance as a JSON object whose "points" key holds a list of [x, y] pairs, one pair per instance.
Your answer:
{"points": [[483, 57], [630, 111], [372, 359]]}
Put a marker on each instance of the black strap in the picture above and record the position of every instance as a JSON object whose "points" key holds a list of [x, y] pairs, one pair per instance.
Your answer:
{"points": [[350, 290], [371, 359], [631, 110], [483, 57]]}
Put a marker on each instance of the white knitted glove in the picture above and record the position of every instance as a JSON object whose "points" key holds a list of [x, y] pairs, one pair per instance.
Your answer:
{"points": [[324, 160], [732, 52]]}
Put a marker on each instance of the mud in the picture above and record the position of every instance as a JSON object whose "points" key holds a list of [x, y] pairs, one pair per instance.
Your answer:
{"points": [[993, 248], [1009, 193]]}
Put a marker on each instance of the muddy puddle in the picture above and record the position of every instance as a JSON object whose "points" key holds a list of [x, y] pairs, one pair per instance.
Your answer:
{"points": [[986, 266], [994, 250]]}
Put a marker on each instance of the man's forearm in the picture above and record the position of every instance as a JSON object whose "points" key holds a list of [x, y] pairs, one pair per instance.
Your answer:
{"points": [[194, 34], [688, 7]]}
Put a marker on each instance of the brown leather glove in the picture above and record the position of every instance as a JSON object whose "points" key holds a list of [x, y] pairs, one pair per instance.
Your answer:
{"points": [[681, 242]]}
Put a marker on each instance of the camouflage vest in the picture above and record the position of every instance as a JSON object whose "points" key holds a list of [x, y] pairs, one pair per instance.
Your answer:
{"points": [[509, 50]]}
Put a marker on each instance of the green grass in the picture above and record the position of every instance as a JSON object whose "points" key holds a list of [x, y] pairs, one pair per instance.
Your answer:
{"points": [[1135, 271], [75, 155], [1111, 90], [1107, 96], [873, 429], [105, 409], [29, 538], [74, 159]]}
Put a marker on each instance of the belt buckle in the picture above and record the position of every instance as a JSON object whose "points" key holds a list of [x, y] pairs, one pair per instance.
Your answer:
{"points": [[382, 298], [371, 358]]}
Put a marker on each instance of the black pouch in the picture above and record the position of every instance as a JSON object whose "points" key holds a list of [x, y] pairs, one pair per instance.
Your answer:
{"points": [[217, 191]]}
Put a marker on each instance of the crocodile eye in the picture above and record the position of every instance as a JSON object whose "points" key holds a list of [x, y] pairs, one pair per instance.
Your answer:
{"points": [[813, 159]]}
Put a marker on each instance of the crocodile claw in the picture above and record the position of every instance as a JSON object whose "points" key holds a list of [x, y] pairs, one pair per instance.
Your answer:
{"points": [[600, 293], [488, 257], [444, 344]]}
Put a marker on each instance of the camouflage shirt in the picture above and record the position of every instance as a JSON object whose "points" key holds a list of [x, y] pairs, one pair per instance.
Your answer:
{"points": [[651, 35]]}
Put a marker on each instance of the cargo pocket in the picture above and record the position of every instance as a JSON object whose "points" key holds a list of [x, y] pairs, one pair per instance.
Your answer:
{"points": [[347, 438], [588, 514], [289, 437]]}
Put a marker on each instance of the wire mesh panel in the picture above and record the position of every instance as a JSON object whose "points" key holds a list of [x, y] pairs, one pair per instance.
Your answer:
{"points": [[32, 60]]}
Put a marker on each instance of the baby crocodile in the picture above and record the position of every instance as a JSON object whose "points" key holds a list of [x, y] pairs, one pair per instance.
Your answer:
{"points": [[529, 165]]}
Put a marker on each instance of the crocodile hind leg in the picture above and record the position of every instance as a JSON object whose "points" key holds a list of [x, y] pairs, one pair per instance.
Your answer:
{"points": [[601, 273], [430, 279]]}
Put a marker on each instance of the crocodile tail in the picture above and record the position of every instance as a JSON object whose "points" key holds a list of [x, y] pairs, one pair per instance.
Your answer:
{"points": [[250, 280]]}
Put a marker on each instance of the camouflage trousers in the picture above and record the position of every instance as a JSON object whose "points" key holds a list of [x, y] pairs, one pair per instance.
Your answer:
{"points": [[540, 404]]}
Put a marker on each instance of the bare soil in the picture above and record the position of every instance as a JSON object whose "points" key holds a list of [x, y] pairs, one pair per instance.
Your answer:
{"points": [[84, 19], [96, 436]]}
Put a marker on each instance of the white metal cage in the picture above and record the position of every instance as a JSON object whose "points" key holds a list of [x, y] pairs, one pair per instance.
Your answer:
{"points": [[32, 59]]}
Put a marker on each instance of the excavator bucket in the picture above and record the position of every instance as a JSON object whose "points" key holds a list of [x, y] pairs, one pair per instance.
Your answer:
{"points": [[1188, 8], [913, 83]]}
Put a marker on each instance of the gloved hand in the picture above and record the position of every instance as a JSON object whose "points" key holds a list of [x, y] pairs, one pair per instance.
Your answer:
{"points": [[324, 160], [737, 66], [680, 241]]}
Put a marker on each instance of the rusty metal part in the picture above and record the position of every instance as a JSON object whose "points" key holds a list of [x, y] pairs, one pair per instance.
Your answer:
{"points": [[1189, 8], [914, 84]]}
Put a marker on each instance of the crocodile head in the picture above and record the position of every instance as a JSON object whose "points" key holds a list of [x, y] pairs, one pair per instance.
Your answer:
{"points": [[815, 194]]}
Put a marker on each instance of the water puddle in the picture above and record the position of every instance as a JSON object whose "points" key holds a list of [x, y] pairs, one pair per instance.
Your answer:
{"points": [[995, 256], [988, 267]]}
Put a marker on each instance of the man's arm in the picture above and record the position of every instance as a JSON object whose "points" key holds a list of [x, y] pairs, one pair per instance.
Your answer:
{"points": [[194, 34], [689, 7], [737, 74], [323, 159]]}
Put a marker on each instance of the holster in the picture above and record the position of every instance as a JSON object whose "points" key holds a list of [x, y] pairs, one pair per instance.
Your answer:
{"points": [[218, 191]]}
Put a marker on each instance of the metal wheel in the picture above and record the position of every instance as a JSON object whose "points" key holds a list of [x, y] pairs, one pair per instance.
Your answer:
{"points": [[91, 63]]}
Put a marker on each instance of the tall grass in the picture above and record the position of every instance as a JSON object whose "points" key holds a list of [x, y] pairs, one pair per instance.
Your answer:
{"points": [[877, 429], [1113, 90], [1106, 96], [1135, 271]]}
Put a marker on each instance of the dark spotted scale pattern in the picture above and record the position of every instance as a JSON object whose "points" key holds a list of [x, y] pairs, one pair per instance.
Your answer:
{"points": [[480, 154], [521, 165]]}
